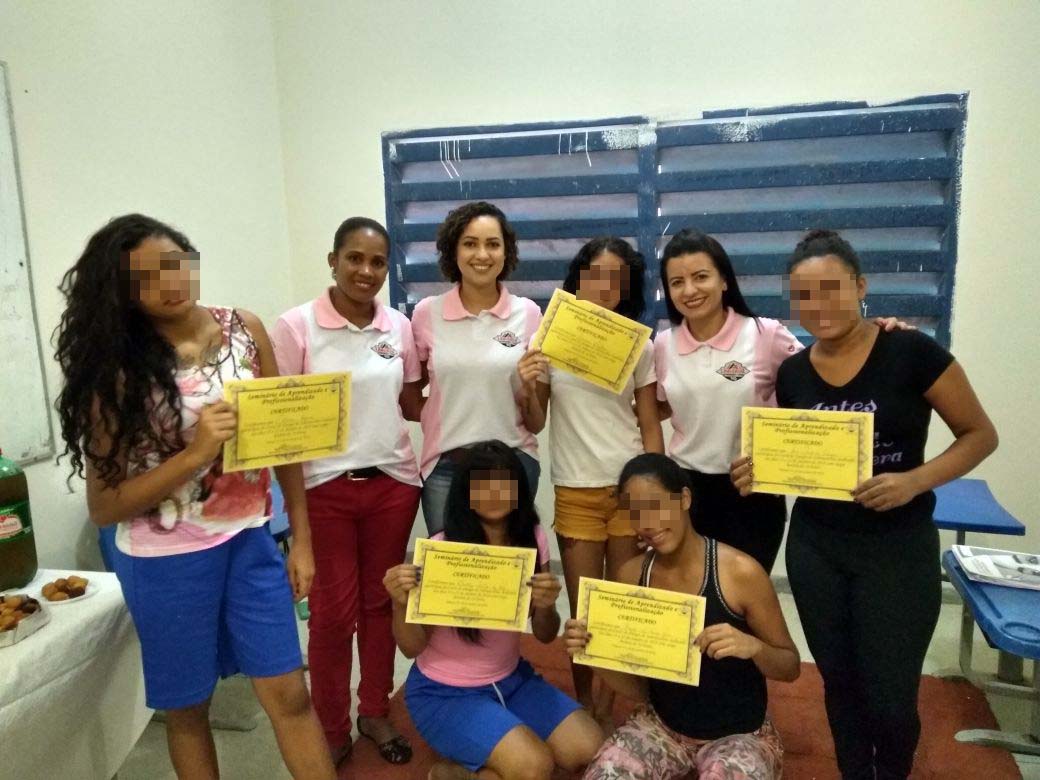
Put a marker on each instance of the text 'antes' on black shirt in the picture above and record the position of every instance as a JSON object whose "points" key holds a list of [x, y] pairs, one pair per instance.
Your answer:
{"points": [[901, 367]]}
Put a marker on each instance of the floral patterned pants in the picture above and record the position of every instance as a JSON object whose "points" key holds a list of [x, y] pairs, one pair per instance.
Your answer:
{"points": [[644, 748]]}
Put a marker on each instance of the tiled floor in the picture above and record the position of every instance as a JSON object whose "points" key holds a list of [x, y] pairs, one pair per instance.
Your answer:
{"points": [[253, 755]]}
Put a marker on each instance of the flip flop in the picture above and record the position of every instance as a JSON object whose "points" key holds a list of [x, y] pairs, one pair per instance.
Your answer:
{"points": [[394, 751]]}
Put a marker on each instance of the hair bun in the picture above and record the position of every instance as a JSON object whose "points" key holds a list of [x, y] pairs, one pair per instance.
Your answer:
{"points": [[817, 233]]}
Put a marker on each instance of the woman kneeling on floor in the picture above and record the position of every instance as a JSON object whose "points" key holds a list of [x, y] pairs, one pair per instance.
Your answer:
{"points": [[717, 730], [470, 694]]}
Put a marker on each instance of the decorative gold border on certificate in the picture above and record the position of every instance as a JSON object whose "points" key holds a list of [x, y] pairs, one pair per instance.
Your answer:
{"points": [[861, 425], [560, 299], [235, 388], [521, 557], [689, 605]]}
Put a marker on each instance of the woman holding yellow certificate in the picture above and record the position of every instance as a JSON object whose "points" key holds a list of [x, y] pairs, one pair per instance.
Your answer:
{"points": [[363, 501], [142, 409], [470, 694], [469, 341], [594, 432], [865, 573], [717, 358], [718, 728]]}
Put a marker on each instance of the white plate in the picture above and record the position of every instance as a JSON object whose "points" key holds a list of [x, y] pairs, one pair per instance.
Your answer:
{"points": [[38, 595]]}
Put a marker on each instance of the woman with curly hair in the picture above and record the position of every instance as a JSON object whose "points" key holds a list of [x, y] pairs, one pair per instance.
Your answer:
{"points": [[470, 341], [142, 414]]}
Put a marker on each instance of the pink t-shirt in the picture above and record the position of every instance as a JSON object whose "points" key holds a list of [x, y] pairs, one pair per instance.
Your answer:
{"points": [[314, 338], [212, 506], [707, 384], [471, 360], [451, 660]]}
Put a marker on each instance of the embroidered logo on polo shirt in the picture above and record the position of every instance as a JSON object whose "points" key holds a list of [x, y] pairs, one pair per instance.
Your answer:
{"points": [[385, 350], [507, 338], [733, 371]]}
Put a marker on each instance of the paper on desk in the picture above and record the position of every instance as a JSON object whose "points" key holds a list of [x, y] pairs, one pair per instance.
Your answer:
{"points": [[999, 567]]}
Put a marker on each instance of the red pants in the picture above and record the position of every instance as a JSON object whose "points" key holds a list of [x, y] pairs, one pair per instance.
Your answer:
{"points": [[359, 529]]}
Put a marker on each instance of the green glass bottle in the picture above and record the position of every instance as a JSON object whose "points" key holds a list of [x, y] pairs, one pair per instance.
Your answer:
{"points": [[17, 544]]}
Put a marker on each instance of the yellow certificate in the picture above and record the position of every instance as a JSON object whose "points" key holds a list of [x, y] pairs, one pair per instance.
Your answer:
{"points": [[471, 585], [645, 631], [804, 452], [590, 342], [287, 419]]}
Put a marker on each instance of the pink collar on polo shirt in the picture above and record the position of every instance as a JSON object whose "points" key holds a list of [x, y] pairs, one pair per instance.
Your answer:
{"points": [[685, 343], [452, 308], [326, 316]]}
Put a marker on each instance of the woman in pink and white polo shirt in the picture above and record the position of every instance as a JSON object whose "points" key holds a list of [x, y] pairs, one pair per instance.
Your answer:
{"points": [[716, 358], [470, 341], [362, 503]]}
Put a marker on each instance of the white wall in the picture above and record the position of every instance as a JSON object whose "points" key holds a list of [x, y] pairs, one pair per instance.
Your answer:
{"points": [[165, 108], [347, 72], [255, 127]]}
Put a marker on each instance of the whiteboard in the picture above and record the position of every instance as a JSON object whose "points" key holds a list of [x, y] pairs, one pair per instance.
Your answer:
{"points": [[25, 421]]}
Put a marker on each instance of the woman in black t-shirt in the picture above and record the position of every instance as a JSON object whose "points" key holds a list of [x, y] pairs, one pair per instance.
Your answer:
{"points": [[865, 573]]}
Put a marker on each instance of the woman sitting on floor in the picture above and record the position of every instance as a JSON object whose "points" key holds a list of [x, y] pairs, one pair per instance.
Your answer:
{"points": [[470, 694], [717, 730]]}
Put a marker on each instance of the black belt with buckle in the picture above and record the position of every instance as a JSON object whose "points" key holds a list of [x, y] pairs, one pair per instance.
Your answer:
{"points": [[355, 475]]}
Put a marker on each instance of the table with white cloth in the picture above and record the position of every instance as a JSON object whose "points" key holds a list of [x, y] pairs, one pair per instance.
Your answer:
{"points": [[72, 694]]}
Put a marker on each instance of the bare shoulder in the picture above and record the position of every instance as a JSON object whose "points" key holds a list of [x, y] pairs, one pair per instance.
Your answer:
{"points": [[740, 575], [250, 320], [630, 570], [255, 327]]}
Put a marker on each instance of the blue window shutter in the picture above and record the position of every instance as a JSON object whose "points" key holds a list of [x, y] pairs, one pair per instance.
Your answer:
{"points": [[886, 176], [559, 184]]}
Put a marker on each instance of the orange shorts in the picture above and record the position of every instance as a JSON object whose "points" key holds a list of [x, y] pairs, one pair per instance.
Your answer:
{"points": [[589, 514]]}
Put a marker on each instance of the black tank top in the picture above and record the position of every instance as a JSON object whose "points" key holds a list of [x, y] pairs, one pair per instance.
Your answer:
{"points": [[731, 697]]}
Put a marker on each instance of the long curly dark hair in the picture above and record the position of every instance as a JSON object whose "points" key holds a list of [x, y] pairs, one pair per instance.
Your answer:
{"points": [[112, 358], [450, 231]]}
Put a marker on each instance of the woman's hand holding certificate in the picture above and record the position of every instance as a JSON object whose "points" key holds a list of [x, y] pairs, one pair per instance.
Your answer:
{"points": [[475, 586], [590, 342], [724, 641], [287, 419], [804, 452], [639, 630]]}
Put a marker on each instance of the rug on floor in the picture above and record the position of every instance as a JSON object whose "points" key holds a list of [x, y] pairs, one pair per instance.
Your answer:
{"points": [[946, 706]]}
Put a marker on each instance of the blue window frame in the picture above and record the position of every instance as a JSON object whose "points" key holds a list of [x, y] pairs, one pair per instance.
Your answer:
{"points": [[886, 176]]}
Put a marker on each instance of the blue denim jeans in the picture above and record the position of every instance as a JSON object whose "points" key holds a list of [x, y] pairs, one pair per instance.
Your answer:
{"points": [[436, 486]]}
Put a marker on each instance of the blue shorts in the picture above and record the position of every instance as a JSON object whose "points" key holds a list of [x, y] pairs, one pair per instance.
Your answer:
{"points": [[209, 614], [465, 724]]}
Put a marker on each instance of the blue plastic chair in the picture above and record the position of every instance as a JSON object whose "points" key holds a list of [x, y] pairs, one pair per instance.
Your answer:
{"points": [[968, 505]]}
